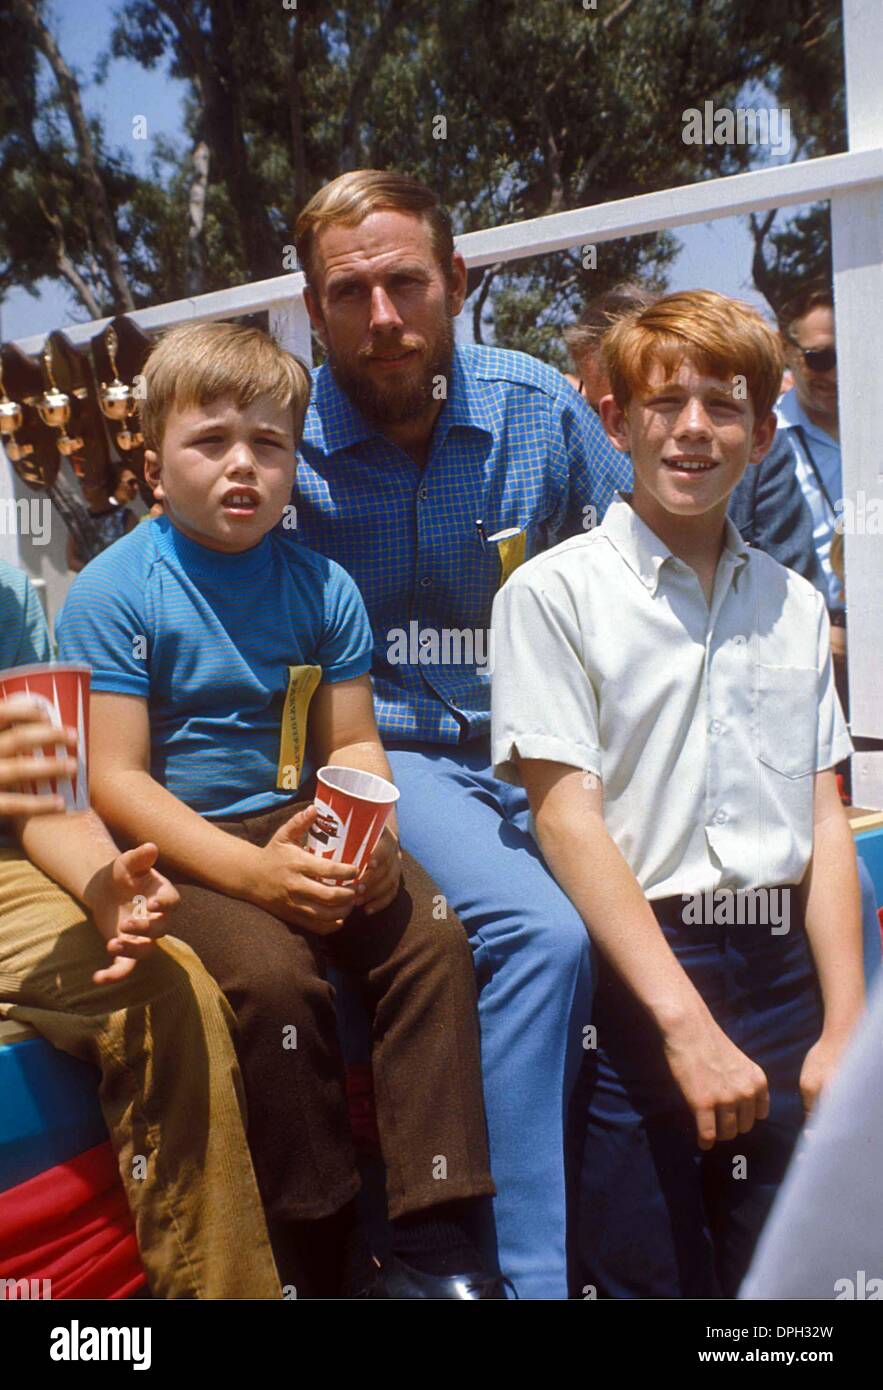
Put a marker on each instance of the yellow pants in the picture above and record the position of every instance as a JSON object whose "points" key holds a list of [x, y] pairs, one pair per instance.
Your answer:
{"points": [[171, 1093]]}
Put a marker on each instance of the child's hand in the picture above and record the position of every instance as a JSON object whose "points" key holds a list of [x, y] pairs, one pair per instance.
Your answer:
{"points": [[288, 880], [380, 882], [129, 902], [726, 1091], [23, 728], [819, 1065]]}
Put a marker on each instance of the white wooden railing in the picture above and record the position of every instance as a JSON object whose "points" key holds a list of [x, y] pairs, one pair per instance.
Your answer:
{"points": [[853, 182]]}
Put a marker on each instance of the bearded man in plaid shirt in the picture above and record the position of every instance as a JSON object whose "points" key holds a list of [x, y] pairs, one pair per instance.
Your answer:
{"points": [[430, 471]]}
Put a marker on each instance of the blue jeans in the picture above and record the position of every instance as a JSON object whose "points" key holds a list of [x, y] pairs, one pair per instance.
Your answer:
{"points": [[656, 1217], [532, 962]]}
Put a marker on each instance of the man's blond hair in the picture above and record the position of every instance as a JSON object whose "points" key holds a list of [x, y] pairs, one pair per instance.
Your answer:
{"points": [[722, 336], [199, 363], [350, 198]]}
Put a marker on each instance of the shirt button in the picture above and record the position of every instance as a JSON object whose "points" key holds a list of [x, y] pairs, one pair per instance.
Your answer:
{"points": [[425, 582], [715, 727], [423, 493], [739, 640], [720, 817]]}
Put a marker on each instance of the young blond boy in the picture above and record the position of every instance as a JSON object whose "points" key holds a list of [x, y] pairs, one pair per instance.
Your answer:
{"points": [[82, 967], [666, 696], [200, 628]]}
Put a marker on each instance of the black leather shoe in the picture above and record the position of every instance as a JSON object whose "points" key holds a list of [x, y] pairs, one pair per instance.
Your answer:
{"points": [[395, 1279]]}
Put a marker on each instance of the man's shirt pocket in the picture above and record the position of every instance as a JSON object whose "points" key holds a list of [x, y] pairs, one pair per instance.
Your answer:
{"points": [[787, 718]]}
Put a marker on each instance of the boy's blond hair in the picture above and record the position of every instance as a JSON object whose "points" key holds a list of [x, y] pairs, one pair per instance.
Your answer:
{"points": [[198, 363], [722, 336], [351, 197]]}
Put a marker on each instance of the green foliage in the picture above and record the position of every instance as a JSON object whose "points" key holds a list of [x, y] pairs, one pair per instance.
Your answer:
{"points": [[529, 308], [797, 254], [548, 106]]}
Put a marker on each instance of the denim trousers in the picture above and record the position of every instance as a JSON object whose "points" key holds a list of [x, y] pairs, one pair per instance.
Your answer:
{"points": [[533, 971], [654, 1216]]}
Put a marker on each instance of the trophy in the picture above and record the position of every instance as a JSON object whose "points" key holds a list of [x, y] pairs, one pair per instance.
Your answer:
{"points": [[54, 409], [12, 417], [118, 400]]}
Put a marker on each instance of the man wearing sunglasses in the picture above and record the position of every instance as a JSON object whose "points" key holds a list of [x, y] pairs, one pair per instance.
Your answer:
{"points": [[809, 423], [808, 418]]}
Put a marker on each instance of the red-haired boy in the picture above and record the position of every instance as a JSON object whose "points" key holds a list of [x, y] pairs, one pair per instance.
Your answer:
{"points": [[666, 696]]}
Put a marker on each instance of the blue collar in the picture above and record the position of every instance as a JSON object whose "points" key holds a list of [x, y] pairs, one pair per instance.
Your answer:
{"points": [[210, 564]]}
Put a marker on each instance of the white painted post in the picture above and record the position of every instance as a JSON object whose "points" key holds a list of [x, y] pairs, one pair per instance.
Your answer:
{"points": [[857, 243], [290, 326]]}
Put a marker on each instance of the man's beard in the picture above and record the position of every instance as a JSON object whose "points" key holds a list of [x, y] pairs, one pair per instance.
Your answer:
{"points": [[394, 402]]}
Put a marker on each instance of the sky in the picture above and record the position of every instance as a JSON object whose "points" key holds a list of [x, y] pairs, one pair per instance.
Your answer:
{"points": [[713, 255]]}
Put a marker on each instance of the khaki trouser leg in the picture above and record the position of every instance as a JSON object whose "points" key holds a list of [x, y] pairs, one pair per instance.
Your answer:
{"points": [[170, 1089]]}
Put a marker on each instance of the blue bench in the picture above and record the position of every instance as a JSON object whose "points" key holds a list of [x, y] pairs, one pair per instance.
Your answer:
{"points": [[50, 1109]]}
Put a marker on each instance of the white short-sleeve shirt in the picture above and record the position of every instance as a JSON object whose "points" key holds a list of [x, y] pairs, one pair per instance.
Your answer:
{"points": [[705, 726]]}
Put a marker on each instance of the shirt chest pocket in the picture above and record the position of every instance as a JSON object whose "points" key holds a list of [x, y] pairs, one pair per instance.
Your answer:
{"points": [[787, 718], [510, 546]]}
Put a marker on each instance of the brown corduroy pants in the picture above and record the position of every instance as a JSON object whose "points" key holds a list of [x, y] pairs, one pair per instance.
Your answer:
{"points": [[416, 967]]}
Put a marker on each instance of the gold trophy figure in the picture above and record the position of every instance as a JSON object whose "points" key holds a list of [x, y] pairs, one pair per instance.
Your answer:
{"points": [[12, 417], [54, 409], [118, 400]]}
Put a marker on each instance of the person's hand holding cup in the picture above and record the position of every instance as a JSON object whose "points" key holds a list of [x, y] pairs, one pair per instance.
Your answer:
{"points": [[292, 883], [44, 718], [379, 881], [353, 808]]}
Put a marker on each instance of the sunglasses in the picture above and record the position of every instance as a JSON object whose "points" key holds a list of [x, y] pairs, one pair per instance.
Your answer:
{"points": [[817, 359]]}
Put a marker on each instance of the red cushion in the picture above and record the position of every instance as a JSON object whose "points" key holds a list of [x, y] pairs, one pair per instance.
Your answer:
{"points": [[71, 1224], [362, 1112]]}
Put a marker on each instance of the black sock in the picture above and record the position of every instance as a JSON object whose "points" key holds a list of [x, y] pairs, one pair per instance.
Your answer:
{"points": [[438, 1240], [310, 1254]]}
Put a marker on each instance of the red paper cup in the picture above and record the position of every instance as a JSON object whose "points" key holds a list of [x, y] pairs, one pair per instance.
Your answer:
{"points": [[353, 808], [63, 693]]}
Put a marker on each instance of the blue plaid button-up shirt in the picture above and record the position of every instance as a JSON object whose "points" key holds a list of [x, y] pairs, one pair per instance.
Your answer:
{"points": [[514, 450]]}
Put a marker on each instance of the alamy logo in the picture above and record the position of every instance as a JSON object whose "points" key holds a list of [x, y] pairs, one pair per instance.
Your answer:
{"points": [[860, 517], [25, 1289], [750, 907], [861, 1288], [76, 1343], [26, 516], [446, 646], [744, 126]]}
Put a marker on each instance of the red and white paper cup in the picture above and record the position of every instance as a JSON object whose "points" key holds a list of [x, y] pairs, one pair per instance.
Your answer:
{"points": [[62, 692], [353, 808]]}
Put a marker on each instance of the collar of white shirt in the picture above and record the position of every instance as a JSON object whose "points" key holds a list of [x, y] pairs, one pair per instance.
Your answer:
{"points": [[645, 553]]}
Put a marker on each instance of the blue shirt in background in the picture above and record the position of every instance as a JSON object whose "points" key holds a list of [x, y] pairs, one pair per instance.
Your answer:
{"points": [[819, 472], [514, 449], [24, 637], [207, 639]]}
